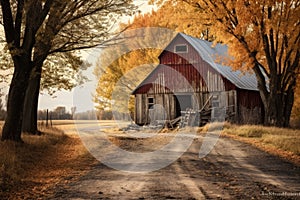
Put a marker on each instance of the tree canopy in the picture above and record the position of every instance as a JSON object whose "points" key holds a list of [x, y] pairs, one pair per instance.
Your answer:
{"points": [[178, 18], [59, 71], [36, 29]]}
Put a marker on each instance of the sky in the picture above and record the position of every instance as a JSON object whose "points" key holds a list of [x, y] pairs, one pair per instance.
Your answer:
{"points": [[81, 97], [78, 96]]}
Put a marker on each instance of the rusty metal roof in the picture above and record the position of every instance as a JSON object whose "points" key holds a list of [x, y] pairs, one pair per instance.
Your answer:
{"points": [[210, 52]]}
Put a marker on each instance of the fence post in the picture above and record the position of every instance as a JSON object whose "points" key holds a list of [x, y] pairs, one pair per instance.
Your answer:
{"points": [[47, 118], [51, 119]]}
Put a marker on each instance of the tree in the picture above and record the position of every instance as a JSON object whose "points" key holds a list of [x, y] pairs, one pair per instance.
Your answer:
{"points": [[63, 72], [60, 113], [73, 110], [59, 71], [178, 16], [296, 108], [263, 36], [35, 29], [114, 74]]}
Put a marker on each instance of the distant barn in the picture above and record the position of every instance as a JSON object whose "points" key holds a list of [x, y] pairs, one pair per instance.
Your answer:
{"points": [[189, 78]]}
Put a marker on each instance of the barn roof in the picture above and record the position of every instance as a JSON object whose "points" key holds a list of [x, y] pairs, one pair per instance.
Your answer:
{"points": [[208, 52]]}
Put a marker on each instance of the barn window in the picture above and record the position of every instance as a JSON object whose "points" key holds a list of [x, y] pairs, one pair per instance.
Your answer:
{"points": [[181, 48], [215, 101], [150, 102]]}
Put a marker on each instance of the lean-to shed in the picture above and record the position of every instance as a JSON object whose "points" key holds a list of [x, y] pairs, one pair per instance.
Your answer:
{"points": [[188, 77]]}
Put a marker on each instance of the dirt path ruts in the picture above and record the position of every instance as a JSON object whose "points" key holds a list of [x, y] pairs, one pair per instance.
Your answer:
{"points": [[233, 170]]}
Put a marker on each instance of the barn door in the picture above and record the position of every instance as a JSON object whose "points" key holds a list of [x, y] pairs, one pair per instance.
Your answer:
{"points": [[182, 103]]}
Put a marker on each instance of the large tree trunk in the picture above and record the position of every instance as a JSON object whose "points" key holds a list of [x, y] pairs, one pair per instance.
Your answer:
{"points": [[32, 94], [279, 106], [278, 114], [13, 124], [289, 102], [31, 103], [278, 101], [41, 51]]}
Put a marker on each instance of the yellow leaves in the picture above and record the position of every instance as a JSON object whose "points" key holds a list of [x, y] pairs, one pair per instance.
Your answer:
{"points": [[118, 75], [175, 15], [241, 24]]}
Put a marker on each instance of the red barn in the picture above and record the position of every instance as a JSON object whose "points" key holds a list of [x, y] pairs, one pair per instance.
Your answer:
{"points": [[188, 77]]}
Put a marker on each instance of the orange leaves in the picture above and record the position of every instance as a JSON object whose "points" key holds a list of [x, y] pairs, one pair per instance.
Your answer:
{"points": [[241, 24]]}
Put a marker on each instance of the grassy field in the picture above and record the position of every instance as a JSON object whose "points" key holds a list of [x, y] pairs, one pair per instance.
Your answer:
{"points": [[28, 170], [279, 141]]}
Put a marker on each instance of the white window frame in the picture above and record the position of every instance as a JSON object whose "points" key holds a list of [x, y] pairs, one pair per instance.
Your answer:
{"points": [[150, 105], [177, 45]]}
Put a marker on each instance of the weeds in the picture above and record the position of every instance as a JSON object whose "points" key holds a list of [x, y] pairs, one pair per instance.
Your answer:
{"points": [[217, 126], [247, 131], [279, 138], [287, 143]]}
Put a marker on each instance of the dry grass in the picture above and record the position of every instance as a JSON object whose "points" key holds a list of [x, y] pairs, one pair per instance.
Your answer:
{"points": [[17, 158], [281, 141], [30, 169], [213, 127]]}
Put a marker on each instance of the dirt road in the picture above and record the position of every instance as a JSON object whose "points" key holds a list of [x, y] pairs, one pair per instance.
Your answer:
{"points": [[232, 170]]}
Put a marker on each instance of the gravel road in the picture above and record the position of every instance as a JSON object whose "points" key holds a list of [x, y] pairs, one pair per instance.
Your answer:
{"points": [[232, 170]]}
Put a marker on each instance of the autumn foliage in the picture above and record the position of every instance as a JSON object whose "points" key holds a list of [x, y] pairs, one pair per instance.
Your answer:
{"points": [[110, 72], [263, 36]]}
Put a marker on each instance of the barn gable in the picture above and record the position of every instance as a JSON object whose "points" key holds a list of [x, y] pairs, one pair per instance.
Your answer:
{"points": [[208, 53]]}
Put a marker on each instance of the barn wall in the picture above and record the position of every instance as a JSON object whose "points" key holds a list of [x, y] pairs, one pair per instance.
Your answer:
{"points": [[184, 78], [162, 109], [165, 106], [250, 107], [140, 109]]}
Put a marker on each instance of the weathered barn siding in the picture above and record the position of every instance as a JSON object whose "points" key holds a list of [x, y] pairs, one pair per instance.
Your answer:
{"points": [[184, 78], [249, 112], [189, 79], [252, 114], [165, 106]]}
